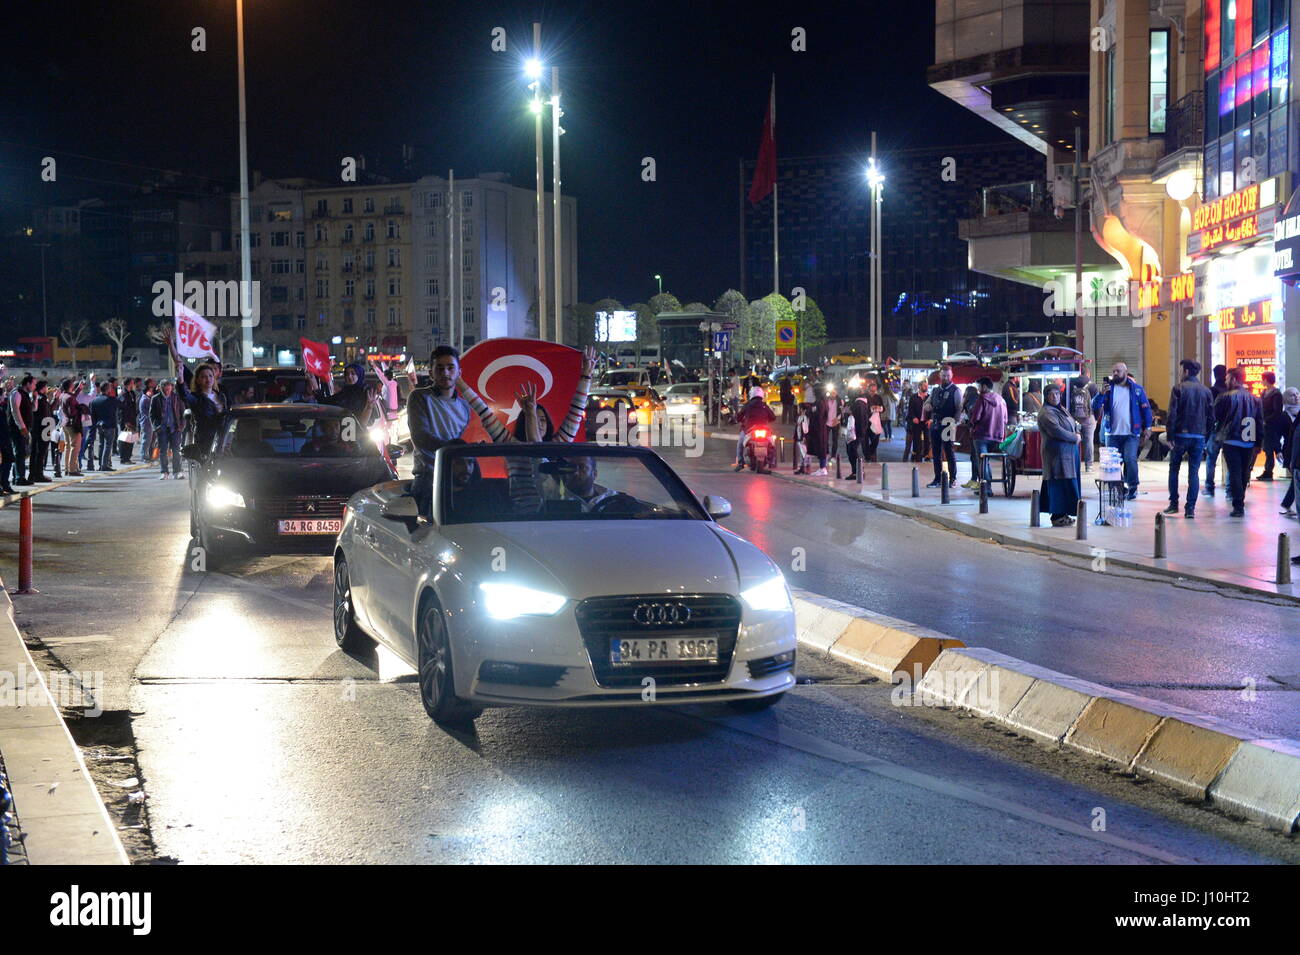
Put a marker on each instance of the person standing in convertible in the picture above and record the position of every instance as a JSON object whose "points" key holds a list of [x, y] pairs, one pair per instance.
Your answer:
{"points": [[436, 415]]}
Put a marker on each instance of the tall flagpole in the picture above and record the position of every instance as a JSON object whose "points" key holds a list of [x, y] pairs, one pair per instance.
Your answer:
{"points": [[776, 248]]}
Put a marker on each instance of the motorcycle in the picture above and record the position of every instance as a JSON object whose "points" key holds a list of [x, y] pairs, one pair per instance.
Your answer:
{"points": [[760, 448]]}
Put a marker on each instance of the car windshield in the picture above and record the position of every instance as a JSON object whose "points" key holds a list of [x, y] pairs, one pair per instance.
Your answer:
{"points": [[684, 390], [482, 485], [619, 378], [294, 435]]}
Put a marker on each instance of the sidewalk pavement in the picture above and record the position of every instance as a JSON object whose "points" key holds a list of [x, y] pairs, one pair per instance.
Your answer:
{"points": [[14, 498], [1214, 548]]}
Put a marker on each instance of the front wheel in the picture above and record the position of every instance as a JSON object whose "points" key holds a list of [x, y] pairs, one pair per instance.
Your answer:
{"points": [[1008, 477], [437, 682], [347, 634]]}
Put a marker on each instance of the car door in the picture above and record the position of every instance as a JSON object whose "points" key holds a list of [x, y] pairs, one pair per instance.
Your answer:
{"points": [[390, 577]]}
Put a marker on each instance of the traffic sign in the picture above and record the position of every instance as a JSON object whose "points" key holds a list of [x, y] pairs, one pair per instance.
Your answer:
{"points": [[786, 338], [722, 341]]}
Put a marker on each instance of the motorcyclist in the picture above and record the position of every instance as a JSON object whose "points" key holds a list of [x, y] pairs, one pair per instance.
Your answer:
{"points": [[753, 413]]}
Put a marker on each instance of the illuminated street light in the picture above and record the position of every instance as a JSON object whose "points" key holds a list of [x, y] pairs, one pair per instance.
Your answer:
{"points": [[533, 68], [660, 280], [876, 180]]}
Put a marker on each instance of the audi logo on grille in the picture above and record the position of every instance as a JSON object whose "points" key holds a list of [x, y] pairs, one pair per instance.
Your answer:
{"points": [[661, 614]]}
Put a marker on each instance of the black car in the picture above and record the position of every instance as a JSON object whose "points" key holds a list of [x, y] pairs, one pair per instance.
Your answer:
{"points": [[278, 477]]}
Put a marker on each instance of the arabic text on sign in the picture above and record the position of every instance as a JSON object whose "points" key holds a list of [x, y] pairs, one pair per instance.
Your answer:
{"points": [[1256, 313], [1239, 203]]}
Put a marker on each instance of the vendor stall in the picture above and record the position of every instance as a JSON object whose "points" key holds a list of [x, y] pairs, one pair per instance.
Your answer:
{"points": [[1024, 376]]}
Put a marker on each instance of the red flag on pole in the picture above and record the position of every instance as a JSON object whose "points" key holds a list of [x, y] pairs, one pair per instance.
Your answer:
{"points": [[315, 357], [765, 171]]}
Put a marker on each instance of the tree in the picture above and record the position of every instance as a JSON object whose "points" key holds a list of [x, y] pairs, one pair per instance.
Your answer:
{"points": [[580, 320], [812, 327], [227, 330], [647, 329], [118, 333], [664, 302], [696, 307], [160, 334], [764, 314], [74, 336]]}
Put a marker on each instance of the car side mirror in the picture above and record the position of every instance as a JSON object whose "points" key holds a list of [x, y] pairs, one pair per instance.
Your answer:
{"points": [[401, 508], [717, 507], [395, 451]]}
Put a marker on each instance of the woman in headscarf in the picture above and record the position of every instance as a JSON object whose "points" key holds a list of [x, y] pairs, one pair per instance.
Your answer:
{"points": [[352, 395], [1060, 452]]}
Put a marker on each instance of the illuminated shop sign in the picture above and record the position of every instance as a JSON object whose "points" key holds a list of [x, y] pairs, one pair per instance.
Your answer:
{"points": [[1226, 208], [1239, 217], [1182, 288], [1242, 316]]}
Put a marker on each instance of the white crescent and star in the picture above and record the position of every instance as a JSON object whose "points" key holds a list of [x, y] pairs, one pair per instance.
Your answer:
{"points": [[506, 361]]}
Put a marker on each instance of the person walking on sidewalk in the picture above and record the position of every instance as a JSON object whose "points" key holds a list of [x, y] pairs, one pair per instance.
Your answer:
{"points": [[6, 438], [72, 429], [1127, 414], [945, 411], [21, 408], [128, 416], [1238, 415], [167, 417], [104, 410], [1060, 448], [87, 394], [144, 420], [988, 426], [1081, 394], [1290, 437], [917, 431], [42, 429], [1217, 387], [1190, 424], [1271, 400]]}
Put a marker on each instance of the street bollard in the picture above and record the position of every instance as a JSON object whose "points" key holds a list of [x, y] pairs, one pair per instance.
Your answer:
{"points": [[25, 546], [838, 473], [1159, 550], [984, 497], [1035, 509], [943, 487], [1284, 558], [862, 466], [884, 476], [916, 483], [1081, 522]]}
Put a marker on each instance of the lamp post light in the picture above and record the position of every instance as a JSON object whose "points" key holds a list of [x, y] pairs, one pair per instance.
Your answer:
{"points": [[660, 280], [533, 70], [876, 180], [245, 259]]}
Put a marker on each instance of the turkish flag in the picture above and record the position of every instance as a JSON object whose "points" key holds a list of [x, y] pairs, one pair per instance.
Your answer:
{"points": [[316, 357], [765, 170], [495, 369]]}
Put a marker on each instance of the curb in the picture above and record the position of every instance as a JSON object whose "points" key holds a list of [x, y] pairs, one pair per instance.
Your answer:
{"points": [[7, 499], [64, 821], [878, 498]]}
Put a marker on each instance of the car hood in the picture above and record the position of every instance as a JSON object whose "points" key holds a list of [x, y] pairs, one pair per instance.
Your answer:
{"points": [[604, 558], [274, 477]]}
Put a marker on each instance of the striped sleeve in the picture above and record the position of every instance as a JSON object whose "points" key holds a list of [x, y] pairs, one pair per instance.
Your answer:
{"points": [[496, 431], [577, 408]]}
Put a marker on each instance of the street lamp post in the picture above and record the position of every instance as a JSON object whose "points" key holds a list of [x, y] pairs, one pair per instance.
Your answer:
{"points": [[245, 261], [534, 71], [556, 132], [660, 280], [876, 180]]}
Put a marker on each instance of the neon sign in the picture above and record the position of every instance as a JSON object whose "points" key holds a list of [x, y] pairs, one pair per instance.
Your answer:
{"points": [[1245, 316], [1226, 208], [1246, 228], [1182, 288]]}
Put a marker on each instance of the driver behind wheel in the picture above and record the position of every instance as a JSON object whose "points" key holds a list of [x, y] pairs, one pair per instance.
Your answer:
{"points": [[580, 485]]}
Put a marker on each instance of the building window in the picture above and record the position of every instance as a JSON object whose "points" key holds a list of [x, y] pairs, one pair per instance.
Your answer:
{"points": [[431, 286], [433, 230], [347, 262], [467, 200], [394, 286], [301, 322], [347, 206], [370, 204], [430, 261], [347, 318], [370, 316], [1158, 85], [370, 288], [279, 293], [280, 267], [322, 317], [435, 200], [320, 232], [300, 240], [469, 314], [370, 232], [467, 229], [347, 232], [431, 315], [322, 207], [349, 287], [392, 229], [394, 258], [370, 260], [322, 262], [392, 315], [300, 266], [468, 260]]}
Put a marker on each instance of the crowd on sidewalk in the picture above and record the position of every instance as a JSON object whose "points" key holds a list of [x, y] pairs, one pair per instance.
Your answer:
{"points": [[1073, 418]]}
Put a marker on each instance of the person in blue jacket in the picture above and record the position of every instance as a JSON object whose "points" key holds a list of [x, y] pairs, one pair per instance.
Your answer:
{"points": [[1127, 414]]}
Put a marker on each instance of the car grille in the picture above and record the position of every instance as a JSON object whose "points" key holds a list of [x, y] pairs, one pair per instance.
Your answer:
{"points": [[313, 506], [603, 618]]}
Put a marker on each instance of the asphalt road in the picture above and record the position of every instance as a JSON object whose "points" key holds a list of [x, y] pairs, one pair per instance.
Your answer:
{"points": [[259, 742], [1213, 650]]}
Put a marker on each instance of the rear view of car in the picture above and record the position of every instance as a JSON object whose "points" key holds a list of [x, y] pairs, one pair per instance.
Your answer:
{"points": [[685, 400]]}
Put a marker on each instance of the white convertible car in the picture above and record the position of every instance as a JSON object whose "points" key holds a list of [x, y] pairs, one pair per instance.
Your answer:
{"points": [[595, 578]]}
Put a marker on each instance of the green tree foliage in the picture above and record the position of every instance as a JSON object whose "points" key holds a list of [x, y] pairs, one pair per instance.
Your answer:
{"points": [[664, 302], [812, 326]]}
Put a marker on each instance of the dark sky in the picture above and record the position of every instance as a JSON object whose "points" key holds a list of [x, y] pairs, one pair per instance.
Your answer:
{"points": [[685, 83]]}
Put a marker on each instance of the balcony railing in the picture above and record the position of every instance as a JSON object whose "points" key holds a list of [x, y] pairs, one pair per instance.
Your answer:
{"points": [[1028, 196], [1185, 123]]}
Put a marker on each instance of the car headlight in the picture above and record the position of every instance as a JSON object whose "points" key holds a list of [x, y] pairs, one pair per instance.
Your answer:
{"points": [[507, 601], [769, 595], [378, 436], [222, 497]]}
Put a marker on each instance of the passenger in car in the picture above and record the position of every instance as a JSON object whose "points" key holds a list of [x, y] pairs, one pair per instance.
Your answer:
{"points": [[328, 441], [247, 440]]}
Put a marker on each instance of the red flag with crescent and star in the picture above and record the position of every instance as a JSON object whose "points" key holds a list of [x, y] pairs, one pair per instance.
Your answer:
{"points": [[316, 357], [497, 367]]}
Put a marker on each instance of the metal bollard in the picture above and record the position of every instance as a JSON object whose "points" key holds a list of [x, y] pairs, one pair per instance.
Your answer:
{"points": [[25, 546], [780, 450], [984, 497], [1159, 550], [884, 476], [838, 473], [862, 466], [916, 483], [1284, 558], [1081, 522], [943, 487], [1035, 509]]}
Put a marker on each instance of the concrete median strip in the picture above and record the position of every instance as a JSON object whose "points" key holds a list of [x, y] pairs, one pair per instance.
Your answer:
{"points": [[1238, 770], [63, 820]]}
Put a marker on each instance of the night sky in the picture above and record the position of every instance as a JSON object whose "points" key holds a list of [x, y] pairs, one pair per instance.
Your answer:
{"points": [[113, 91]]}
